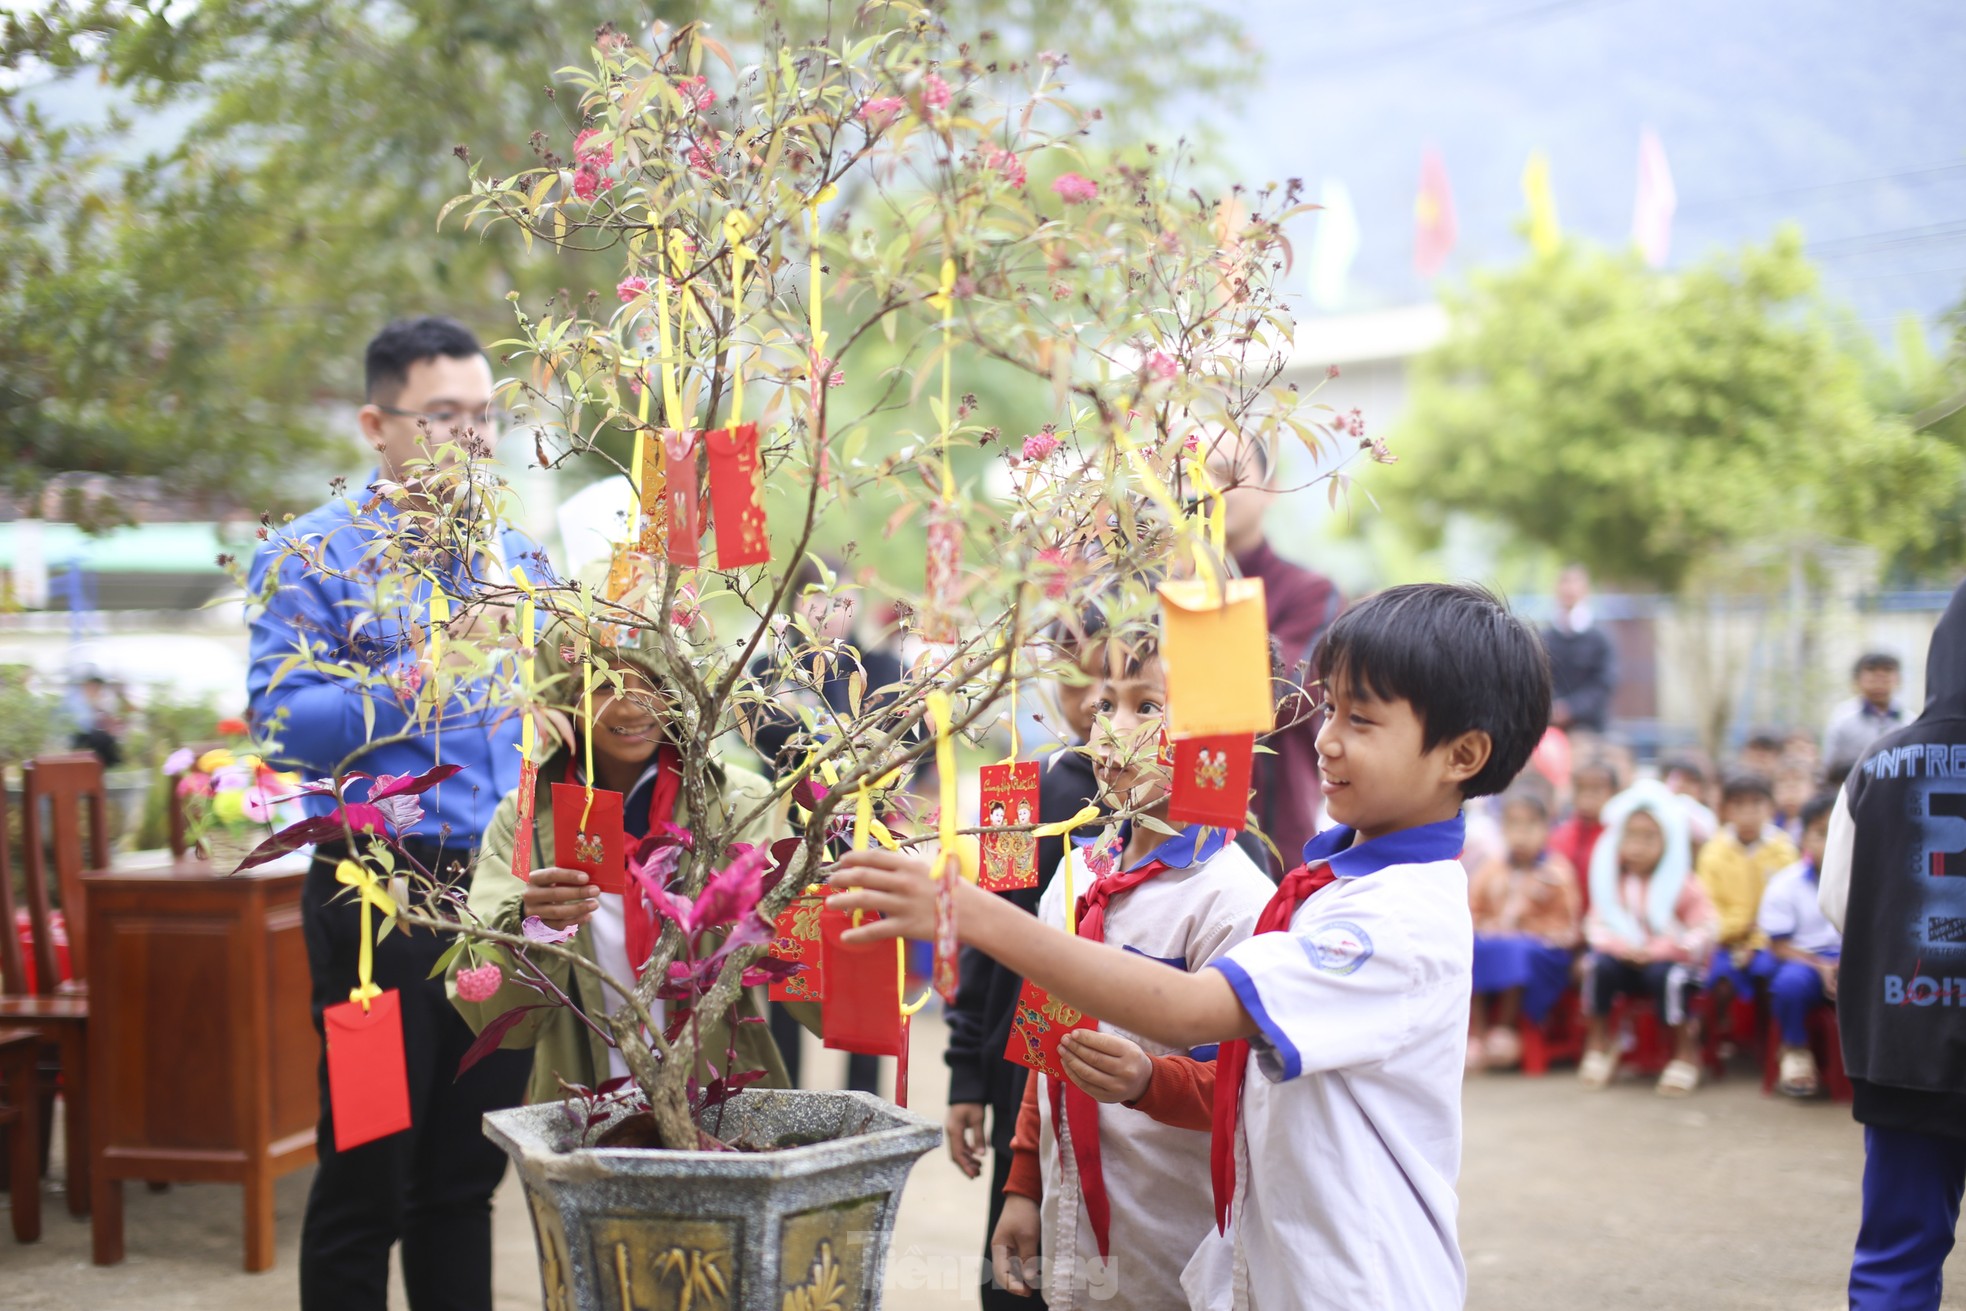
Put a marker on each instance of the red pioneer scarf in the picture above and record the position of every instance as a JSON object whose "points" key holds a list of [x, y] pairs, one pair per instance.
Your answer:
{"points": [[1079, 1109], [1232, 1059]]}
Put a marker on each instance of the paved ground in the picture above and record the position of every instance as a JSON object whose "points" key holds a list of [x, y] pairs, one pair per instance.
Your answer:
{"points": [[1619, 1201]]}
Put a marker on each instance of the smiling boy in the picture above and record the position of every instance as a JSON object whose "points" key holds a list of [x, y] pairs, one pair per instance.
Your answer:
{"points": [[1338, 1161]]}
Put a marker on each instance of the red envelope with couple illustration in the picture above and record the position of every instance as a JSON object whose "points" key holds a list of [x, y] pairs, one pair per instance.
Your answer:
{"points": [[1039, 1025], [1210, 782], [1010, 800], [596, 846]]}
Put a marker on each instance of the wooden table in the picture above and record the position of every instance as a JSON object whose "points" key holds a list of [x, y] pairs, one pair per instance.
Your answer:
{"points": [[202, 1051]]}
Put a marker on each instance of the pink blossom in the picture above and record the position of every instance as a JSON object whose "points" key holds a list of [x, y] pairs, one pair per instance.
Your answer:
{"points": [[965, 287], [1057, 583], [1008, 166], [696, 92], [1075, 188], [1050, 58], [935, 92], [1330, 370], [587, 183], [838, 378], [1160, 367], [1193, 444], [881, 111], [257, 802], [595, 157], [480, 984], [1039, 446], [1353, 423], [702, 162], [629, 288]]}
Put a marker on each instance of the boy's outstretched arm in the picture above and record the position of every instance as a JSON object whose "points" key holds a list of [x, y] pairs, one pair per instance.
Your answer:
{"points": [[1122, 988]]}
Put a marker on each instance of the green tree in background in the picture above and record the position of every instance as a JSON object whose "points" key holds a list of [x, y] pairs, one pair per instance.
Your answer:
{"points": [[187, 282], [1666, 430]]}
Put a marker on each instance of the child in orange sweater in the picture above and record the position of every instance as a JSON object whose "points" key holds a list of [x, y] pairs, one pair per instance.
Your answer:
{"points": [[1527, 914]]}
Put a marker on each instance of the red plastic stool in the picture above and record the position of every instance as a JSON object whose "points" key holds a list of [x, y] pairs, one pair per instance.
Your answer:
{"points": [[1560, 1037]]}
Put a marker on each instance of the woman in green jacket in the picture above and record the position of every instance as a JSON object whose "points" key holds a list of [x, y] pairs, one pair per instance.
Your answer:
{"points": [[630, 756]]}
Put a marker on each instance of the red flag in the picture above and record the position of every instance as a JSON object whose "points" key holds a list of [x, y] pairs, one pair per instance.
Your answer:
{"points": [[1434, 226]]}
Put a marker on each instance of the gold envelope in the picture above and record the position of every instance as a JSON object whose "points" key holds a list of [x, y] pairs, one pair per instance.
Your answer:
{"points": [[1215, 649]]}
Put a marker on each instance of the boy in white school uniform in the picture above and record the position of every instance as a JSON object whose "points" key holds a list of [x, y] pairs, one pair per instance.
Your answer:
{"points": [[1117, 1225], [1338, 1146]]}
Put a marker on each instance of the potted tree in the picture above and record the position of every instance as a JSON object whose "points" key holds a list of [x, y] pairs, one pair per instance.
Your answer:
{"points": [[787, 214]]}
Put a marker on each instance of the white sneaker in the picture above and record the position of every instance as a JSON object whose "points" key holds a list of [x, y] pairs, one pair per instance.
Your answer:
{"points": [[1596, 1069], [1678, 1079], [1798, 1074]]}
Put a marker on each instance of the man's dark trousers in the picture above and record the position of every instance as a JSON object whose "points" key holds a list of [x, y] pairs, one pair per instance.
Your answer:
{"points": [[429, 1187]]}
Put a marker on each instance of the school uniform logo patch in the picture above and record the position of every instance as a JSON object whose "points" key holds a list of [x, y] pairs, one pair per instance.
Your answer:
{"points": [[1338, 947]]}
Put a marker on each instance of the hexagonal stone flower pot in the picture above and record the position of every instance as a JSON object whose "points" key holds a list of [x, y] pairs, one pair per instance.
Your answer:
{"points": [[799, 1220]]}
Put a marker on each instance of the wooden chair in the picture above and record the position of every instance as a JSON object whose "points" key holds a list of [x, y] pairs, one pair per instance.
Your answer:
{"points": [[57, 1011], [20, 1117]]}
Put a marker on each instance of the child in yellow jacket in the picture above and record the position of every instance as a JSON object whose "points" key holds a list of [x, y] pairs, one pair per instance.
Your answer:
{"points": [[1734, 868]]}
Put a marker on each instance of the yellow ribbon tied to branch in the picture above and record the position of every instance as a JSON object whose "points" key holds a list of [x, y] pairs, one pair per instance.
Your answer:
{"points": [[372, 894]]}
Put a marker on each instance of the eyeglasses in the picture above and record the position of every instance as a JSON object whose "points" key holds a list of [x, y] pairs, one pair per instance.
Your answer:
{"points": [[451, 417]]}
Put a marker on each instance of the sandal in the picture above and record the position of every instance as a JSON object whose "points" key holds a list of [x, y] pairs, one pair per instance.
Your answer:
{"points": [[1504, 1049], [1798, 1074], [1678, 1079], [1595, 1070]]}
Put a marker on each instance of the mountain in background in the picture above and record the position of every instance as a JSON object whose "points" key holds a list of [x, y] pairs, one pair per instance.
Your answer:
{"points": [[1849, 120]]}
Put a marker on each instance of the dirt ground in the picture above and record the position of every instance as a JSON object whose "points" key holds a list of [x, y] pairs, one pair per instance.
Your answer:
{"points": [[1617, 1201]]}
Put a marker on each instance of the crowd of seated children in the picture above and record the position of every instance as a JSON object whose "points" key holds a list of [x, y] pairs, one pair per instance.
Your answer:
{"points": [[1527, 915], [1732, 914]]}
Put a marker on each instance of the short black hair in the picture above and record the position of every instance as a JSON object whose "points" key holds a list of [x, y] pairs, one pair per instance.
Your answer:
{"points": [[1876, 660], [391, 352], [1745, 786], [1815, 808], [1523, 793], [1603, 769], [1764, 741], [1683, 765], [1460, 657]]}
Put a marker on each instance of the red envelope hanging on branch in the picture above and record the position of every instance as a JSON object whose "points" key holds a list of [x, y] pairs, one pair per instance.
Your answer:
{"points": [[685, 497], [1211, 780], [795, 937], [522, 834], [862, 1007], [1039, 1024], [1010, 799], [942, 574], [655, 497], [596, 847], [368, 1088], [737, 496]]}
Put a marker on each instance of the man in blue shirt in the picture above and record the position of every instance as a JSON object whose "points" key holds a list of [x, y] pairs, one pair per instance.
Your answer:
{"points": [[349, 603]]}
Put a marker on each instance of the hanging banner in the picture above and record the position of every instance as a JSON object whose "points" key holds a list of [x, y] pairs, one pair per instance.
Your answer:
{"points": [[654, 497], [685, 528], [1211, 780], [737, 497], [942, 574], [1010, 799], [522, 831]]}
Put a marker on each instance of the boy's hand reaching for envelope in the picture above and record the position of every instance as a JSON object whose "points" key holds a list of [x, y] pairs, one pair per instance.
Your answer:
{"points": [[1107, 1066]]}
